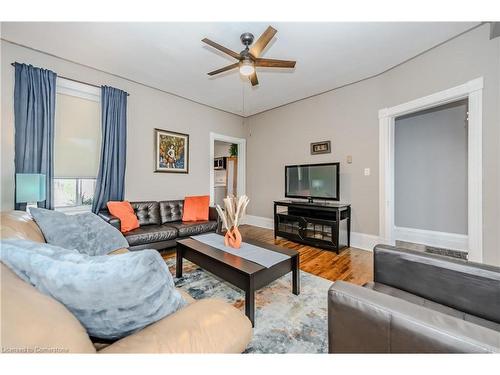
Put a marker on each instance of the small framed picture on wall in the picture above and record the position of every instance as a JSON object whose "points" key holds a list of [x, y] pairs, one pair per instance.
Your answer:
{"points": [[171, 152], [324, 147]]}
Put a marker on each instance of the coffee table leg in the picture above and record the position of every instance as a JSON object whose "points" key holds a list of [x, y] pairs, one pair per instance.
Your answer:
{"points": [[178, 263], [295, 275], [250, 305]]}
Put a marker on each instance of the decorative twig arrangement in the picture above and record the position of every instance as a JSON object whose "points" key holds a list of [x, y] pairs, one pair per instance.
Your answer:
{"points": [[235, 208]]}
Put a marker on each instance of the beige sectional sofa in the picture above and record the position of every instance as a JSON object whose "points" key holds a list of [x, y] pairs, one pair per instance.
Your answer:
{"points": [[32, 322]]}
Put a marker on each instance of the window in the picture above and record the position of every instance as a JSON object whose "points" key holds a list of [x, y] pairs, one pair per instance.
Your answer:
{"points": [[76, 144], [73, 192]]}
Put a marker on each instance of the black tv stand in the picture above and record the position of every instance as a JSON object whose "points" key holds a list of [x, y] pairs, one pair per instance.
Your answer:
{"points": [[326, 225]]}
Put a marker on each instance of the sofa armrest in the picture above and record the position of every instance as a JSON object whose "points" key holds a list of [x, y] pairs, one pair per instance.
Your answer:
{"points": [[214, 216], [110, 219], [204, 326], [212, 213], [361, 320], [441, 279]]}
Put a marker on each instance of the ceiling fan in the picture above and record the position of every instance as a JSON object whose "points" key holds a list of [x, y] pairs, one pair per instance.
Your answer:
{"points": [[249, 58]]}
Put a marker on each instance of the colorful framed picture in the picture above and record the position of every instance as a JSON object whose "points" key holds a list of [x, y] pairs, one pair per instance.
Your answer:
{"points": [[171, 152], [324, 147]]}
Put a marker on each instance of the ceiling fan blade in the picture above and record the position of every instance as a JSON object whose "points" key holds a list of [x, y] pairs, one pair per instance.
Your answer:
{"points": [[272, 63], [222, 48], [253, 79], [261, 43], [226, 68]]}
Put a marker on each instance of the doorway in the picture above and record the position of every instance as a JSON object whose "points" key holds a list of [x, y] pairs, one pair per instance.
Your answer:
{"points": [[227, 167], [472, 93], [430, 179]]}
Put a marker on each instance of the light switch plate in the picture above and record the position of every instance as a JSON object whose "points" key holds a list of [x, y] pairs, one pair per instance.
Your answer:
{"points": [[349, 159], [367, 171]]}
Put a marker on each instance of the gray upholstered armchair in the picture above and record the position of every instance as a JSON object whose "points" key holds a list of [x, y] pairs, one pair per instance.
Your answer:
{"points": [[418, 303]]}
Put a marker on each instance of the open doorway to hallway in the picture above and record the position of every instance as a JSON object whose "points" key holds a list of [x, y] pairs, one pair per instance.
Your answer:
{"points": [[227, 167], [225, 170]]}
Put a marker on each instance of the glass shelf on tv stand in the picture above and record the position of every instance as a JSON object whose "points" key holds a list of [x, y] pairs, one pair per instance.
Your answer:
{"points": [[312, 224], [306, 227]]}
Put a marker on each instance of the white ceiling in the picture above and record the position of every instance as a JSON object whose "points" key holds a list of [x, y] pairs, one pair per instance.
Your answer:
{"points": [[171, 56]]}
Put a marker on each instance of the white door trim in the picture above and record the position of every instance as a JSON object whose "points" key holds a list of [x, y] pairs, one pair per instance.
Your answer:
{"points": [[241, 142], [473, 91]]}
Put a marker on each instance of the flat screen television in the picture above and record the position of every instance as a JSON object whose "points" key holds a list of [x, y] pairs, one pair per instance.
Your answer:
{"points": [[312, 181]]}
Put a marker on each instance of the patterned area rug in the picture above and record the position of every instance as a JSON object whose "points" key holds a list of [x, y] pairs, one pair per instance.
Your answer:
{"points": [[284, 322]]}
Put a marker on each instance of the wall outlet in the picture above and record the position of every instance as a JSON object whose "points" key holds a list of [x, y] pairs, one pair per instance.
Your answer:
{"points": [[367, 171]]}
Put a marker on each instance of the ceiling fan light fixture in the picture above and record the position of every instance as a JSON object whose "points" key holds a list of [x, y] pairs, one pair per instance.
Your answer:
{"points": [[247, 68]]}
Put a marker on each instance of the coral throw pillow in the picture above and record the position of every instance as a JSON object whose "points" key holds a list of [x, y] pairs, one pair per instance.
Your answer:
{"points": [[196, 208], [124, 212]]}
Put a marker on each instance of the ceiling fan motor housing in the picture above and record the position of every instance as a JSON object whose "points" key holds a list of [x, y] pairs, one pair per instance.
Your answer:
{"points": [[246, 39]]}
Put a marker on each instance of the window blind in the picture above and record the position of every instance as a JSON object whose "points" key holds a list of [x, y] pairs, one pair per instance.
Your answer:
{"points": [[77, 137]]}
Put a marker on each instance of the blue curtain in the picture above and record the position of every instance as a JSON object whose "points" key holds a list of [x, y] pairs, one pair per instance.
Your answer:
{"points": [[111, 177], [34, 111]]}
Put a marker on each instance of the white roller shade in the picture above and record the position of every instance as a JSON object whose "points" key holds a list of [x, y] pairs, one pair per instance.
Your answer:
{"points": [[77, 136]]}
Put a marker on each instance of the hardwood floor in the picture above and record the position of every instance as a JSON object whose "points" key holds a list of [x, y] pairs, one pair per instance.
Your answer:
{"points": [[352, 265]]}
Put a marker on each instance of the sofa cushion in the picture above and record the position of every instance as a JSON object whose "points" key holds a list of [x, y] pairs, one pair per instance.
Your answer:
{"points": [[148, 213], [191, 228], [32, 320], [85, 232], [205, 326], [112, 296], [150, 233], [171, 211], [409, 297]]}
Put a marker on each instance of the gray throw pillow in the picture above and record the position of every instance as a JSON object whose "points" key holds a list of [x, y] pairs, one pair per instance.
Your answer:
{"points": [[85, 232], [112, 296]]}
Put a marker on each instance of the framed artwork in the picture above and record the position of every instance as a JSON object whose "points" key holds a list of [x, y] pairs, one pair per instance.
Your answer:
{"points": [[324, 147], [171, 152]]}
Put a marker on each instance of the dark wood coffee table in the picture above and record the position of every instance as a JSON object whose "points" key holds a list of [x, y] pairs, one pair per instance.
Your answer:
{"points": [[242, 273]]}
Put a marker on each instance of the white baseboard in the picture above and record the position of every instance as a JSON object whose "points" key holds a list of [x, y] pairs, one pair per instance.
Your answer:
{"points": [[259, 221], [364, 241], [358, 240], [431, 238]]}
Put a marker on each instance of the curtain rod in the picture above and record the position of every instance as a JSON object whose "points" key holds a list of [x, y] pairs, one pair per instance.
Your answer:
{"points": [[75, 80]]}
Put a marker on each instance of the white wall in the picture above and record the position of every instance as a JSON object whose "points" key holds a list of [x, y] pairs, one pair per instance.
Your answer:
{"points": [[147, 109], [349, 118], [430, 169]]}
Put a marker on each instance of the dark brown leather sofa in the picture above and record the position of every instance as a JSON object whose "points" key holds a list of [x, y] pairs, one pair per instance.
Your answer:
{"points": [[418, 303], [161, 224]]}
